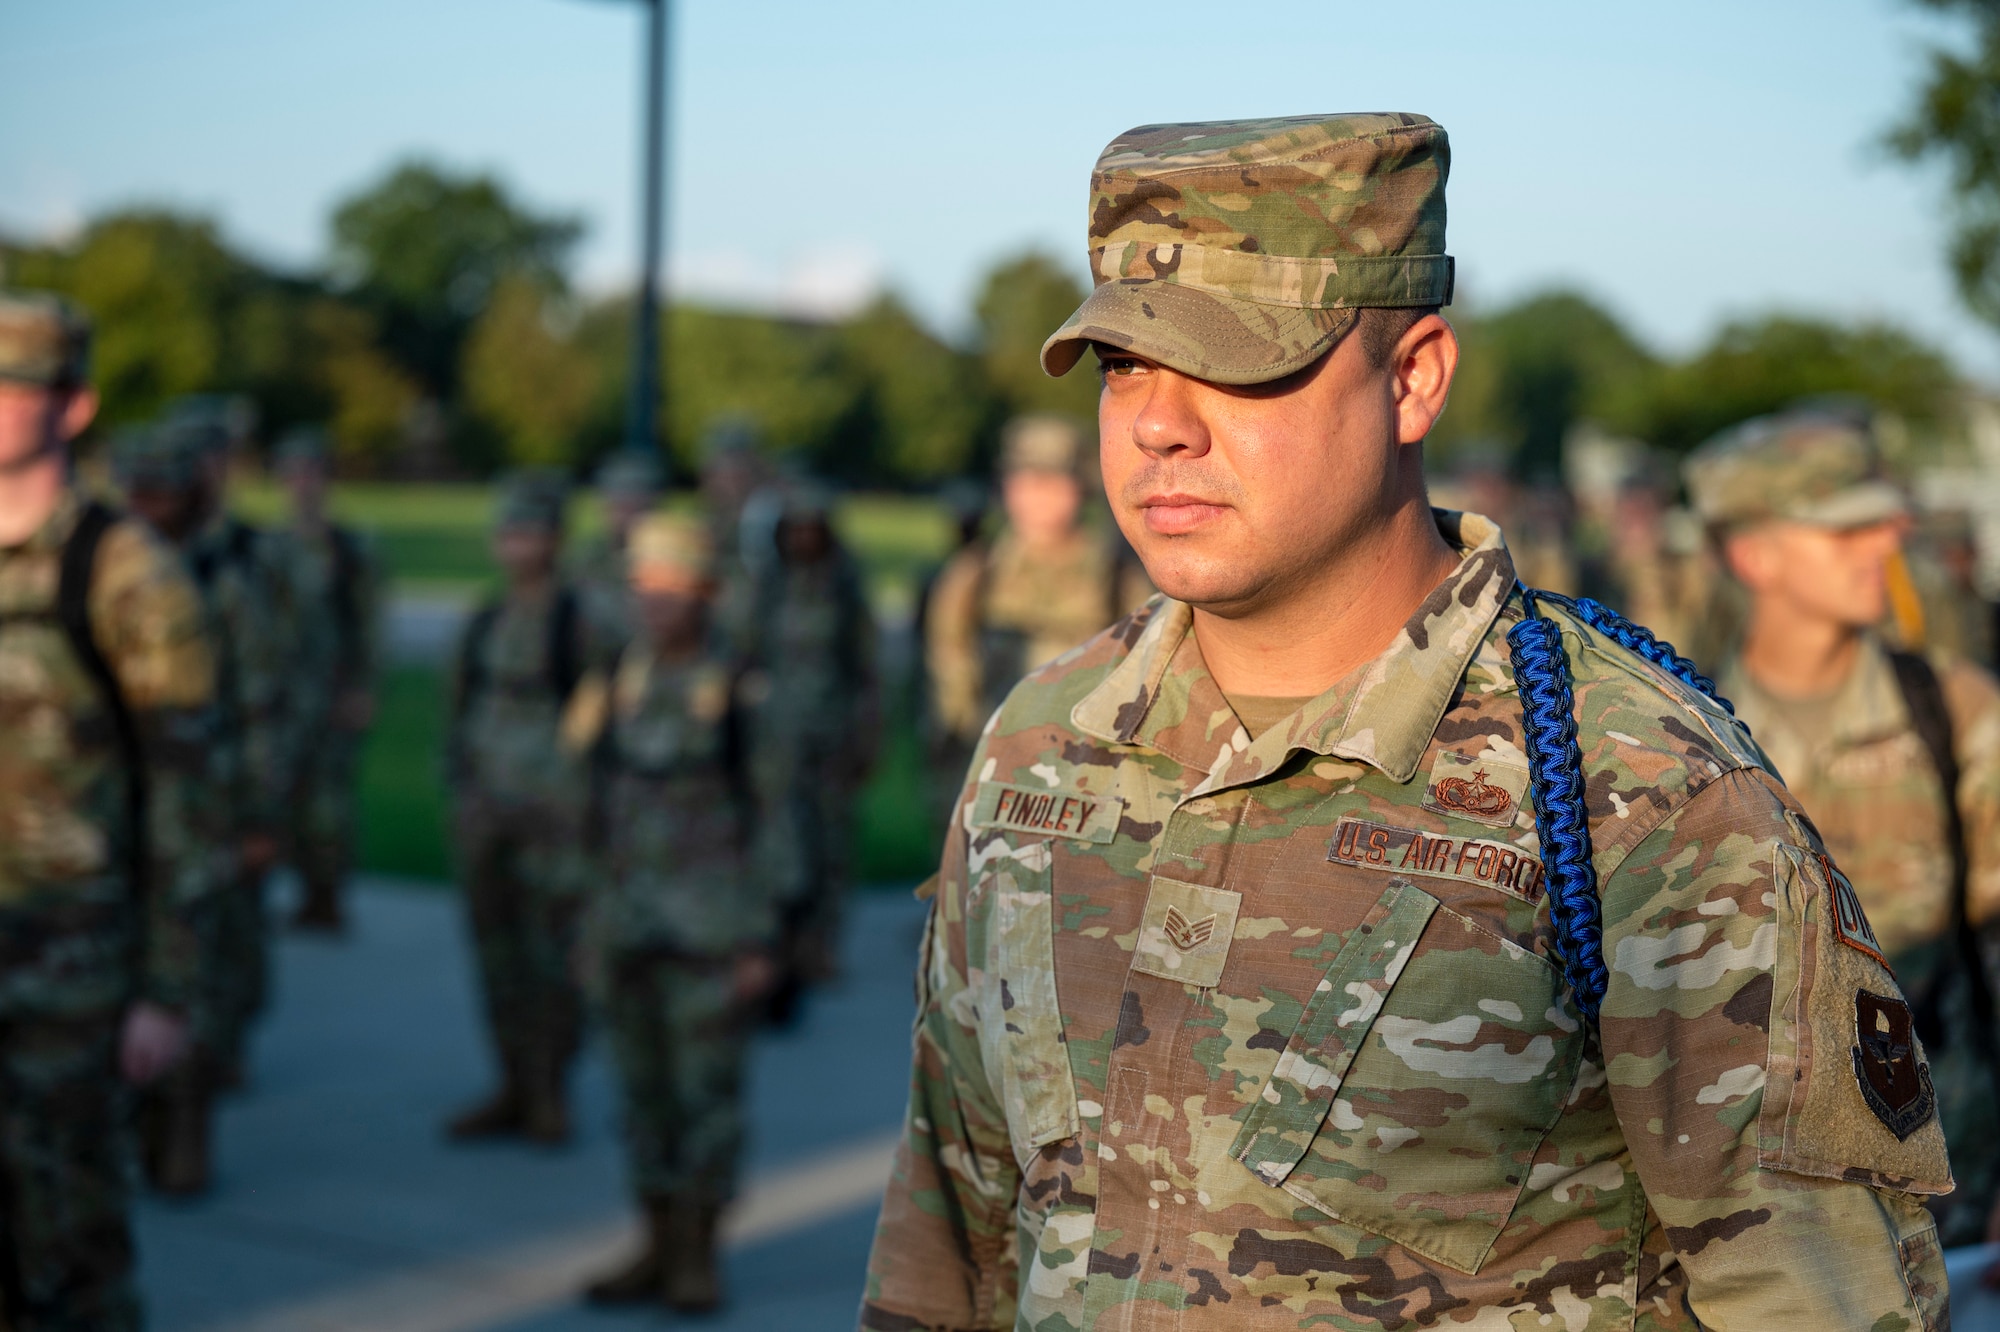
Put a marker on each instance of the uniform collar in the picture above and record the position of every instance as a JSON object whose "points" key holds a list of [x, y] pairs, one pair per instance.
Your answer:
{"points": [[1382, 714]]}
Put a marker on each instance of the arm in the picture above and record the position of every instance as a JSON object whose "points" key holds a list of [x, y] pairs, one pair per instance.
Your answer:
{"points": [[951, 647], [944, 1255], [1788, 1204]]}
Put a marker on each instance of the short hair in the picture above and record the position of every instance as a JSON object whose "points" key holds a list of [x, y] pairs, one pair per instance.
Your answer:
{"points": [[1380, 328]]}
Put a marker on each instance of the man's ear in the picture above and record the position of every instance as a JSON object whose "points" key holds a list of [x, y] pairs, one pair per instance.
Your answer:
{"points": [[78, 411], [1748, 556], [1425, 359]]}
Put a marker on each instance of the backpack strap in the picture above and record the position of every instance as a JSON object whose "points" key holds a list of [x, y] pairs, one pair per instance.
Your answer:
{"points": [[472, 655], [564, 667], [1555, 771], [1923, 696], [78, 566]]}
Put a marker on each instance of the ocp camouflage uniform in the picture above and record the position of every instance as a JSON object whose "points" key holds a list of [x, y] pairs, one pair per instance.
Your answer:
{"points": [[334, 583], [79, 940], [630, 480], [1286, 1044], [1223, 1032], [811, 684]]}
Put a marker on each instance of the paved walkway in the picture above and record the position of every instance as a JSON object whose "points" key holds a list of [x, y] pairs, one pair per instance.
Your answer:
{"points": [[339, 1209]]}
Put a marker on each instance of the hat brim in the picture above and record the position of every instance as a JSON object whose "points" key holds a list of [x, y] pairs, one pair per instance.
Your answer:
{"points": [[1857, 506], [1222, 339]]}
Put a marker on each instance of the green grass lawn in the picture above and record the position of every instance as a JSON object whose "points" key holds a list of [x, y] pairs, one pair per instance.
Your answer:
{"points": [[434, 538]]}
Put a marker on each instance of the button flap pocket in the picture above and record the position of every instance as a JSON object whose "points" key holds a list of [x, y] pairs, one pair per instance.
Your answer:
{"points": [[1185, 933], [1294, 1101], [1020, 1023]]}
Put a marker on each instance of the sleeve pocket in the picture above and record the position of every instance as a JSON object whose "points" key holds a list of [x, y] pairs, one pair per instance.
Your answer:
{"points": [[1020, 1028]]}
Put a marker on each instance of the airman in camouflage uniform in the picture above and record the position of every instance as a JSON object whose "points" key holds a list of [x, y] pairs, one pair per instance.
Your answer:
{"points": [[334, 584], [169, 479], [99, 929], [1807, 525], [679, 929], [1240, 1005], [628, 485], [1039, 588], [519, 799], [811, 685]]}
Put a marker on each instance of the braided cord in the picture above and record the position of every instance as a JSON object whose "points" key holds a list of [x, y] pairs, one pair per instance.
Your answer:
{"points": [[1641, 640], [1555, 766]]}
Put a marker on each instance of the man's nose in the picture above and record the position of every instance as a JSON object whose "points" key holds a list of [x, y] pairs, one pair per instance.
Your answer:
{"points": [[1171, 423]]}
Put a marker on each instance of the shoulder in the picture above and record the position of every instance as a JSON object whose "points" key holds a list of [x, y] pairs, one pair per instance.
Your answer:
{"points": [[1972, 696], [133, 564], [1649, 740]]}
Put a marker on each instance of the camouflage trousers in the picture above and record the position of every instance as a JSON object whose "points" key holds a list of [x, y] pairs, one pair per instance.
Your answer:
{"points": [[66, 1254], [237, 980], [522, 901], [678, 1038], [322, 831]]}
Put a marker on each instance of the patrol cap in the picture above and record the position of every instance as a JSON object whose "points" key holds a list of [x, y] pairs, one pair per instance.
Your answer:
{"points": [[303, 445], [1041, 443], [223, 419], [532, 497], [166, 456], [671, 541], [1803, 466], [630, 472], [44, 340], [1240, 251]]}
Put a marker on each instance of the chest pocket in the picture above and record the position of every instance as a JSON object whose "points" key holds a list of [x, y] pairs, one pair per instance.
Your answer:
{"points": [[1020, 1030], [1423, 1075]]}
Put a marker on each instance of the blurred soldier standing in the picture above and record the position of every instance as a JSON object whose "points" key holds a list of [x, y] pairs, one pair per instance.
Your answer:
{"points": [[171, 479], [1043, 585], [628, 485], [106, 681], [334, 584], [1895, 755], [811, 685], [1254, 996], [518, 800], [678, 929]]}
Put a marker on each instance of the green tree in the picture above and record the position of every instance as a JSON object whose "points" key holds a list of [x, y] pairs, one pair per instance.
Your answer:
{"points": [[1956, 119], [788, 377], [1758, 366], [927, 403], [1020, 303], [526, 375], [425, 249]]}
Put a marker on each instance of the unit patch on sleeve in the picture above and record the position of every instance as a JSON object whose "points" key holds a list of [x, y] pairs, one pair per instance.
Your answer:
{"points": [[1484, 789], [1850, 923], [1894, 1081], [1370, 845], [1081, 816]]}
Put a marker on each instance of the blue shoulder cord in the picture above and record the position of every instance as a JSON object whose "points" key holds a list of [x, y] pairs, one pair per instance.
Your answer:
{"points": [[1555, 768]]}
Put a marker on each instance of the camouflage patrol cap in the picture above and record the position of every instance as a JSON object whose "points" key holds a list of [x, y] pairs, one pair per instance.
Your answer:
{"points": [[1041, 443], [629, 472], [1804, 466], [670, 541], [224, 419], [166, 456], [532, 497], [1240, 251], [44, 340]]}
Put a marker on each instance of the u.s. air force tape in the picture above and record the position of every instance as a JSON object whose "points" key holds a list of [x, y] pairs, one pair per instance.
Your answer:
{"points": [[1370, 845], [1082, 816]]}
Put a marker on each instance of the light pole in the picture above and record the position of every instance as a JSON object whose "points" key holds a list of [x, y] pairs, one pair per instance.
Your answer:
{"points": [[650, 382]]}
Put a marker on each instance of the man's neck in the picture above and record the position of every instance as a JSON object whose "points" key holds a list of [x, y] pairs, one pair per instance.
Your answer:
{"points": [[1304, 643], [29, 494], [1792, 653]]}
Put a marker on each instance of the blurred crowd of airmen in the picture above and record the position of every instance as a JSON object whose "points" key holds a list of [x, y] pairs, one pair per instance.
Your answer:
{"points": [[162, 666]]}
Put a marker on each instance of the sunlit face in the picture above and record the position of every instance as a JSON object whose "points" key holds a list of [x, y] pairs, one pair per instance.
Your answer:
{"points": [[1231, 495], [1834, 574], [671, 603], [525, 551], [1042, 506], [34, 419]]}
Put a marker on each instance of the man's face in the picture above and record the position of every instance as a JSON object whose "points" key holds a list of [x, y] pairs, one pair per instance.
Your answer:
{"points": [[804, 540], [172, 511], [525, 551], [672, 604], [1042, 506], [35, 419], [1234, 497], [622, 508], [1828, 573], [307, 483]]}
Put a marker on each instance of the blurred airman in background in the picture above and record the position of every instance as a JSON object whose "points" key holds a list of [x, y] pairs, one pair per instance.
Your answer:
{"points": [[334, 583], [628, 485], [679, 930], [107, 840], [518, 801], [1894, 754]]}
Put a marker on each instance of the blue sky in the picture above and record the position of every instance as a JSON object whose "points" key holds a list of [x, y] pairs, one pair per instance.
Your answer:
{"points": [[1682, 163]]}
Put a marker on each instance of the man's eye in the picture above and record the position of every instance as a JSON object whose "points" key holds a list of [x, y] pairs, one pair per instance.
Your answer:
{"points": [[1119, 365]]}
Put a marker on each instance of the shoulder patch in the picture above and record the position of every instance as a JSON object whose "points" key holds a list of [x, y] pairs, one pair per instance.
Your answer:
{"points": [[1894, 1079]]}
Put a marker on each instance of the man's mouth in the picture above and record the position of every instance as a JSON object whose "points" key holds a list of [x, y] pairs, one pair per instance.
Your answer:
{"points": [[1177, 514]]}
